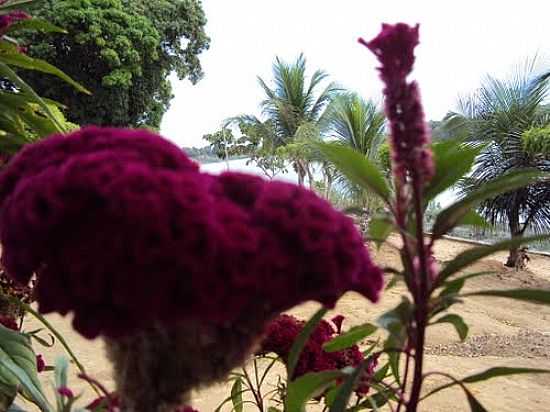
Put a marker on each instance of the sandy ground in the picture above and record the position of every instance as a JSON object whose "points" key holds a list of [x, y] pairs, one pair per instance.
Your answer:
{"points": [[502, 332]]}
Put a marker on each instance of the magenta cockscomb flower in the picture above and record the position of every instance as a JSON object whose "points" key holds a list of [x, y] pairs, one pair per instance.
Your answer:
{"points": [[281, 333], [122, 229], [40, 363], [9, 322], [410, 137], [65, 391], [6, 20]]}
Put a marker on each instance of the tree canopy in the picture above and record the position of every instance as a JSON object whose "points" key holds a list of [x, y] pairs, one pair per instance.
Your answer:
{"points": [[123, 51], [509, 118]]}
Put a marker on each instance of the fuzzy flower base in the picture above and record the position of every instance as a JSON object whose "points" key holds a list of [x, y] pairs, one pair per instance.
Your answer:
{"points": [[156, 369]]}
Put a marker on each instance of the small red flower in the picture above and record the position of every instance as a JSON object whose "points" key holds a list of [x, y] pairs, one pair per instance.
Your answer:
{"points": [[64, 391], [40, 364], [9, 322], [338, 320]]}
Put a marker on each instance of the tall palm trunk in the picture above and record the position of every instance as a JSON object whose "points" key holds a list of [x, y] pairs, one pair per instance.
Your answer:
{"points": [[515, 231]]}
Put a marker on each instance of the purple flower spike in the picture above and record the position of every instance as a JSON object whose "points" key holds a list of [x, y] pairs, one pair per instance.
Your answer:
{"points": [[394, 48]]}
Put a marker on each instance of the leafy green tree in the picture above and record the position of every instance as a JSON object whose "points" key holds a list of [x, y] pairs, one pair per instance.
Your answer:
{"points": [[292, 102], [503, 115], [25, 116], [360, 125], [123, 51]]}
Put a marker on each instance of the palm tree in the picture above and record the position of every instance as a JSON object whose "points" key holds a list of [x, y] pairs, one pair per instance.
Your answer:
{"points": [[499, 115], [294, 105], [359, 124]]}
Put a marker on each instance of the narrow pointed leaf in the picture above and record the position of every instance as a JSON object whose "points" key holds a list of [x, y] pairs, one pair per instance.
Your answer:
{"points": [[301, 339], [346, 389], [25, 62], [350, 338], [452, 215], [379, 229], [452, 161], [35, 24], [475, 406], [539, 296], [237, 395], [458, 323], [301, 390], [18, 366], [357, 168], [488, 374]]}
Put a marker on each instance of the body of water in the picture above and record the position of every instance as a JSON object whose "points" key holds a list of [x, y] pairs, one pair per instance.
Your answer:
{"points": [[239, 165]]}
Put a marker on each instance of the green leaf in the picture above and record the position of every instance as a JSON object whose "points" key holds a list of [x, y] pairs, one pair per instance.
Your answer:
{"points": [[301, 339], [459, 324], [61, 380], [472, 255], [472, 218], [374, 402], [539, 296], [35, 24], [487, 374], [379, 229], [452, 215], [350, 338], [454, 286], [357, 168], [237, 395], [452, 161], [18, 366], [381, 373], [475, 406], [15, 408], [394, 322], [307, 386], [9, 74], [15, 58], [13, 4], [346, 389], [273, 409]]}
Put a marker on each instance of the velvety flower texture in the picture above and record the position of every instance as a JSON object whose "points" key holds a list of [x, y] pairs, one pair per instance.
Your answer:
{"points": [[122, 229], [6, 20], [283, 330], [9, 322], [394, 48]]}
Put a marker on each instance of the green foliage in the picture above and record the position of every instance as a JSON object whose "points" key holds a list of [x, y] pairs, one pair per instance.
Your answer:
{"points": [[222, 143], [384, 157], [18, 367], [125, 51], [24, 115], [292, 119], [509, 118], [536, 141], [351, 337], [357, 168]]}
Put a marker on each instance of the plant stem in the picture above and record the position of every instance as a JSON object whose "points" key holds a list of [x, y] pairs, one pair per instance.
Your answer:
{"points": [[421, 298], [61, 339], [257, 399], [405, 378]]}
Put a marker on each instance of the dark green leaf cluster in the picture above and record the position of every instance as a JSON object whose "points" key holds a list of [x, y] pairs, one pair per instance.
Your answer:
{"points": [[124, 51]]}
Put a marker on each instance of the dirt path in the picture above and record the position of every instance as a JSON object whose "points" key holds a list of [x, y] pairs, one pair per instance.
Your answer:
{"points": [[502, 332]]}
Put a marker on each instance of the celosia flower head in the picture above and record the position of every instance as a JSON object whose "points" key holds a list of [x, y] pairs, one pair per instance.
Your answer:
{"points": [[122, 229], [9, 322], [6, 20], [281, 333], [394, 48]]}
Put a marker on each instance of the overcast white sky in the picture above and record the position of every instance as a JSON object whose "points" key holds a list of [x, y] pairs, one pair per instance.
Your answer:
{"points": [[461, 41]]}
